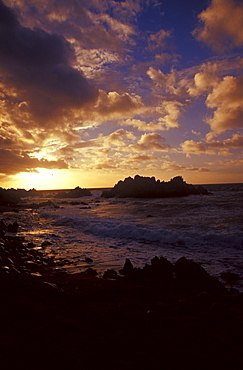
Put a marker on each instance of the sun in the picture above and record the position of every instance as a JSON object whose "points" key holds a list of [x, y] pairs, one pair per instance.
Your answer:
{"points": [[54, 179], [42, 179]]}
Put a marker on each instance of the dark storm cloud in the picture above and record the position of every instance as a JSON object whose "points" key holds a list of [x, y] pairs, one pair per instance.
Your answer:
{"points": [[13, 162], [38, 66]]}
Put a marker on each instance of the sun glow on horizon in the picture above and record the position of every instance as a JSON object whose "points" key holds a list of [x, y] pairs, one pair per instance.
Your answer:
{"points": [[46, 179], [51, 179], [42, 179]]}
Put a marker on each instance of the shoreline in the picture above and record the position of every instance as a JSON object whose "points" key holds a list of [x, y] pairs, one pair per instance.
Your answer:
{"points": [[72, 265], [160, 316]]}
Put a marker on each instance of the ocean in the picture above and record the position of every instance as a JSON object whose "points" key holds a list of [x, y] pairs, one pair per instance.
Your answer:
{"points": [[205, 228]]}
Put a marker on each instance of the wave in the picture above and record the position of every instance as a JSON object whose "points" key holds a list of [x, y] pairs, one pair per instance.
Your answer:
{"points": [[116, 229]]}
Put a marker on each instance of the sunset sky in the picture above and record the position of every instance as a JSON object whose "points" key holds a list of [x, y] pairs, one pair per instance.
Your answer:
{"points": [[93, 91]]}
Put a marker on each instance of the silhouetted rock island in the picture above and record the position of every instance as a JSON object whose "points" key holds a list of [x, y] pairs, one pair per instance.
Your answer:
{"points": [[74, 193], [149, 187]]}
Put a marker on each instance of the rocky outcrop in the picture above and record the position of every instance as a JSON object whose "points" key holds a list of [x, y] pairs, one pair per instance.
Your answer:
{"points": [[160, 316], [74, 193], [191, 275], [185, 275], [148, 187], [8, 197], [22, 193]]}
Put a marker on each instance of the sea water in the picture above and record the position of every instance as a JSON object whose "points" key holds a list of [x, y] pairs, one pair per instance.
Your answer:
{"points": [[205, 228]]}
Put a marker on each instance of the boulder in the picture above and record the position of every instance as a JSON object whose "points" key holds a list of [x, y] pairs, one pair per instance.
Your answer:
{"points": [[13, 228], [92, 272], [3, 226], [193, 276], [127, 268], [160, 268], [110, 274]]}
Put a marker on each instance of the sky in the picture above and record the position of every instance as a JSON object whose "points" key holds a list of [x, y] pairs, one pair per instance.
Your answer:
{"points": [[94, 91]]}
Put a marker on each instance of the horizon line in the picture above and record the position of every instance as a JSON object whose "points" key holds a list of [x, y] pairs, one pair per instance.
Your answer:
{"points": [[110, 187]]}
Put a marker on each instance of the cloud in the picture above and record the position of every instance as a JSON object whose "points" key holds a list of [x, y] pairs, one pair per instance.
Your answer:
{"points": [[124, 31], [158, 40], [161, 124], [191, 146], [164, 58], [74, 148], [172, 113], [211, 148], [235, 142], [196, 133], [203, 81], [167, 82], [141, 158], [151, 142], [171, 95], [112, 105], [227, 98], [99, 31], [221, 25], [104, 144], [169, 166], [13, 162], [119, 137], [109, 164], [38, 72], [95, 61]]}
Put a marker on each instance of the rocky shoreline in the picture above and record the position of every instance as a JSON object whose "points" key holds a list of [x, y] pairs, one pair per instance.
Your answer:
{"points": [[162, 316]]}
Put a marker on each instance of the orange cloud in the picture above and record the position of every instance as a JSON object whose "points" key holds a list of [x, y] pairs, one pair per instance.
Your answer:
{"points": [[148, 126], [167, 82], [141, 158], [211, 148], [227, 98], [169, 166], [203, 81], [114, 105], [151, 142], [235, 142], [158, 40], [222, 25], [191, 146], [13, 162], [119, 137]]}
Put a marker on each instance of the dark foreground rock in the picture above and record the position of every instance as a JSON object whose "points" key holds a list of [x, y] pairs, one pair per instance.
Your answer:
{"points": [[162, 316], [148, 187]]}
